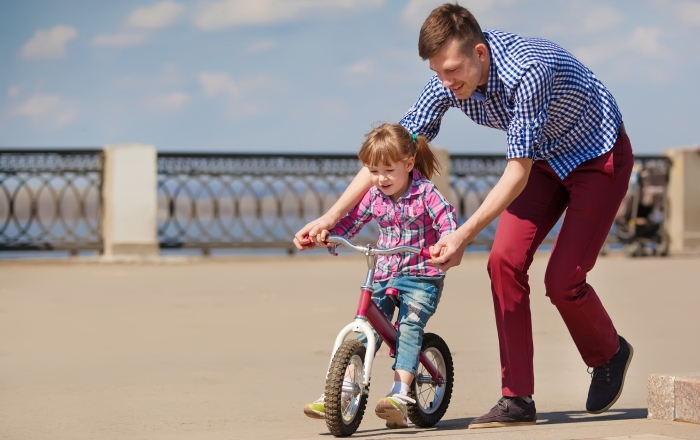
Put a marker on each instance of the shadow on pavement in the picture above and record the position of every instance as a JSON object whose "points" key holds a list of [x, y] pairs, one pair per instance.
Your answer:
{"points": [[548, 418], [553, 418]]}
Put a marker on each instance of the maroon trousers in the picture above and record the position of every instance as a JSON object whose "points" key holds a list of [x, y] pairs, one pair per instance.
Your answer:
{"points": [[591, 195]]}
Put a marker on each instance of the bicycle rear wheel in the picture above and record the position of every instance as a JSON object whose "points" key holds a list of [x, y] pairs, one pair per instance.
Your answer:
{"points": [[345, 403], [432, 399]]}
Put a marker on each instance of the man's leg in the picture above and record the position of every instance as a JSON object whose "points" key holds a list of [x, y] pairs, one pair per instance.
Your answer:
{"points": [[521, 229], [596, 189]]}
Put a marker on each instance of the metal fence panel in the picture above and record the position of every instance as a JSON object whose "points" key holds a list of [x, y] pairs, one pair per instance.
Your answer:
{"points": [[50, 199]]}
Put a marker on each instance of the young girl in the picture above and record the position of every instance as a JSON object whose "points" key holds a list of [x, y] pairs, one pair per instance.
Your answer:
{"points": [[410, 211]]}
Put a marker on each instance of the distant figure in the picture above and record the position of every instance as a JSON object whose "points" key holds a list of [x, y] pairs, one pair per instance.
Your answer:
{"points": [[567, 151], [410, 211]]}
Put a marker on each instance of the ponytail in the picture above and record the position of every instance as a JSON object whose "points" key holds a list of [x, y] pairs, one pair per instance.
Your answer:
{"points": [[426, 162], [389, 143]]}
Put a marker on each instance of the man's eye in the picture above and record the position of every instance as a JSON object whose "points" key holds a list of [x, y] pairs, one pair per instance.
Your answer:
{"points": [[390, 171]]}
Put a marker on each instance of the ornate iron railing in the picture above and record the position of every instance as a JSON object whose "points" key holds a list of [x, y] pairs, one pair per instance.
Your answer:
{"points": [[210, 201], [50, 199], [235, 200]]}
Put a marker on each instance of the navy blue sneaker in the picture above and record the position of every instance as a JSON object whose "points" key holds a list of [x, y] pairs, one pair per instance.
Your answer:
{"points": [[608, 379]]}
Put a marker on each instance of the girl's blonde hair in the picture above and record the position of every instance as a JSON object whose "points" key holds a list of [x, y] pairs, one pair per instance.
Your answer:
{"points": [[391, 143]]}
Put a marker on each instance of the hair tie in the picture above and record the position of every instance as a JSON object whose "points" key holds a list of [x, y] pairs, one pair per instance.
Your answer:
{"points": [[414, 136]]}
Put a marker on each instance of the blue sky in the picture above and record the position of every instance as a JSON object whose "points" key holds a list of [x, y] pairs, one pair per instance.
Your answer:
{"points": [[308, 75]]}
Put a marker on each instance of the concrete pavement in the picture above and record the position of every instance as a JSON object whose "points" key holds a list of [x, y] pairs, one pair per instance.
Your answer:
{"points": [[233, 348]]}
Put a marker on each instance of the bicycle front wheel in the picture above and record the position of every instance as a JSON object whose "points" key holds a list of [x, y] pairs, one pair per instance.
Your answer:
{"points": [[345, 402]]}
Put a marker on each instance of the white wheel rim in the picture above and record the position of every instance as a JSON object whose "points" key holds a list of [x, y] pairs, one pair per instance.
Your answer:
{"points": [[429, 396], [350, 411]]}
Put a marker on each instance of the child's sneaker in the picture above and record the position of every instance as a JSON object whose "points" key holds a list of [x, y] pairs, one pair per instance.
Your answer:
{"points": [[392, 408], [316, 410]]}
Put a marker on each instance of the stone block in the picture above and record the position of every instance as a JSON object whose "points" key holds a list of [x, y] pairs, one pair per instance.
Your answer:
{"points": [[660, 400], [687, 394], [674, 397]]}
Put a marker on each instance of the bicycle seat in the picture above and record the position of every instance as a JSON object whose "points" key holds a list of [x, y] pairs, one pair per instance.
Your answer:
{"points": [[392, 292]]}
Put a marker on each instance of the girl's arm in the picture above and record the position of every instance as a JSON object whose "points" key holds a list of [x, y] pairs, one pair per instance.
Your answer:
{"points": [[354, 221], [350, 197]]}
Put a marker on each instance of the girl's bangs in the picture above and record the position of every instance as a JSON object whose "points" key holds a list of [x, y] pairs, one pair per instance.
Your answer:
{"points": [[376, 155]]}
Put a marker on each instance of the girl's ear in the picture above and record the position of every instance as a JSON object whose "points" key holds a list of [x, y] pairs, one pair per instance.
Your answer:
{"points": [[410, 163]]}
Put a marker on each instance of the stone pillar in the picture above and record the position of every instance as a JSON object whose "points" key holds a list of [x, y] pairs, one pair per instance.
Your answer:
{"points": [[442, 180], [130, 201], [684, 199]]}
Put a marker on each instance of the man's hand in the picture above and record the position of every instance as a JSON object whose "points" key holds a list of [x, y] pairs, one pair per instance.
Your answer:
{"points": [[309, 236], [448, 252]]}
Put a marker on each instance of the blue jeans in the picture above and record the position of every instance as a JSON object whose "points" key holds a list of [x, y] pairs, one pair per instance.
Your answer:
{"points": [[419, 297]]}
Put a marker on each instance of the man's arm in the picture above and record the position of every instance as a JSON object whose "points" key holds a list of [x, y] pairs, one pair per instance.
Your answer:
{"points": [[449, 250], [350, 197]]}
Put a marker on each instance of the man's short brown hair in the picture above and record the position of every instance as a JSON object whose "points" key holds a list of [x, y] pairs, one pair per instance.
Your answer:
{"points": [[448, 21]]}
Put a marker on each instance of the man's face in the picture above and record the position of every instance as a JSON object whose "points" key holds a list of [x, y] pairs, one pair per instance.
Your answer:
{"points": [[459, 69]]}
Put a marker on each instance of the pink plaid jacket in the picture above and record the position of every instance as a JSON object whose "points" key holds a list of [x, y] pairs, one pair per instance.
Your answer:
{"points": [[419, 218]]}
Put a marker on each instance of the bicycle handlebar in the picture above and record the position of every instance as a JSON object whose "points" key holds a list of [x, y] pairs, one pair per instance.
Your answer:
{"points": [[424, 252]]}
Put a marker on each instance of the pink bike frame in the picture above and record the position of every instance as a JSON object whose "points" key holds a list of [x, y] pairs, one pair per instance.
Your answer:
{"points": [[387, 331], [367, 309]]}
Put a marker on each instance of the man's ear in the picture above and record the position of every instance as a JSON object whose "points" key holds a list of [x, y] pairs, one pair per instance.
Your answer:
{"points": [[481, 51]]}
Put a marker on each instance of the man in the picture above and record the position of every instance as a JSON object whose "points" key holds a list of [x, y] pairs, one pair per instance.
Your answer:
{"points": [[567, 151]]}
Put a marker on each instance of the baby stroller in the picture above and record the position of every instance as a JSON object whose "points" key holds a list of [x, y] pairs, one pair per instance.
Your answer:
{"points": [[640, 224]]}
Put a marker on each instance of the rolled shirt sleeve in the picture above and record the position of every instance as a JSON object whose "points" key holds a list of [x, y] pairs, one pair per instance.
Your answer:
{"points": [[531, 103], [441, 212]]}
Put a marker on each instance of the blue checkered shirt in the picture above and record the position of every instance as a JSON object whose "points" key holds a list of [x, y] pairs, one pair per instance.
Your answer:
{"points": [[551, 106]]}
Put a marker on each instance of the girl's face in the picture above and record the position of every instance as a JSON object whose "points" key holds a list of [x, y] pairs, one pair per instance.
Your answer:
{"points": [[393, 180]]}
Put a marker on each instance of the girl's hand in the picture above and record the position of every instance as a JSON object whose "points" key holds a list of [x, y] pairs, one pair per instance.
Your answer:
{"points": [[304, 239], [320, 238], [448, 252]]}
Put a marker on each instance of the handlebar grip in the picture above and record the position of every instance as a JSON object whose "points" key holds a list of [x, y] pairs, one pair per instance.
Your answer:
{"points": [[425, 252]]}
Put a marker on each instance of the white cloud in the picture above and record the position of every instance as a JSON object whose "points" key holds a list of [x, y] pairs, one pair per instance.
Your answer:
{"points": [[169, 78], [601, 18], [119, 40], [240, 97], [689, 12], [417, 11], [216, 84], [48, 109], [230, 13], [261, 46], [645, 40], [157, 16], [364, 67], [49, 43], [169, 102], [13, 92], [593, 55]]}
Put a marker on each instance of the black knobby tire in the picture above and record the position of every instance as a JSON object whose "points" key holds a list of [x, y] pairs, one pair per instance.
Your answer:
{"points": [[343, 422], [431, 400]]}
